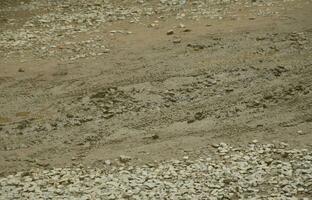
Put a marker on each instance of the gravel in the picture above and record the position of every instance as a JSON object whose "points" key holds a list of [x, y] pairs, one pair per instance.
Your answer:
{"points": [[256, 171], [44, 35]]}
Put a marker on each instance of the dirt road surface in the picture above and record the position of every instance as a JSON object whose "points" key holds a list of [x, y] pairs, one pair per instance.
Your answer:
{"points": [[83, 82]]}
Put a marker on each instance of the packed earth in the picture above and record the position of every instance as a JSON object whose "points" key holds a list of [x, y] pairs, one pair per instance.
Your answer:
{"points": [[156, 99]]}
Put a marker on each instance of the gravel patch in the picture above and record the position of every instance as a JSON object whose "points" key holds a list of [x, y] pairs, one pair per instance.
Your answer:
{"points": [[44, 35], [256, 171]]}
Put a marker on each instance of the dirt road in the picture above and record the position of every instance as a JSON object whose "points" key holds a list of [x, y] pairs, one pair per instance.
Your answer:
{"points": [[82, 82]]}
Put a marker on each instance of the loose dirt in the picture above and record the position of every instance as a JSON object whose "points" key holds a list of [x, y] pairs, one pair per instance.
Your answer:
{"points": [[82, 82]]}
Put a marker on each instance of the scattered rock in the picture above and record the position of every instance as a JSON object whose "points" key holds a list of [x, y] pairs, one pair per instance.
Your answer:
{"points": [[124, 159], [42, 164], [199, 116], [187, 30], [245, 170], [176, 41], [277, 71], [196, 47], [48, 42], [181, 26], [107, 162], [170, 32], [255, 141], [228, 90], [23, 124]]}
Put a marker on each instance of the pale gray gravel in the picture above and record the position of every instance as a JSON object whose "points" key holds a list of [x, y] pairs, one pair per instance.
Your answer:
{"points": [[43, 35], [256, 171]]}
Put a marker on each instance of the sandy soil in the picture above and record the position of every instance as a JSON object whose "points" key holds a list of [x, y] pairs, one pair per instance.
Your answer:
{"points": [[153, 94]]}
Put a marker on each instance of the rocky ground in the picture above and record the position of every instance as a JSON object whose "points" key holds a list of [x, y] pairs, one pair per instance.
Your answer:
{"points": [[83, 82], [253, 172]]}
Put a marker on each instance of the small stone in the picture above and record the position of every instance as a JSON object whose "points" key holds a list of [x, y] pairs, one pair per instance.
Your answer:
{"points": [[107, 162], [59, 192], [181, 26], [285, 155], [196, 47], [111, 197], [68, 115], [199, 116], [42, 164], [128, 194], [124, 159], [187, 30], [21, 70], [176, 41], [106, 50], [155, 136], [283, 144], [170, 32], [229, 90], [153, 25]]}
